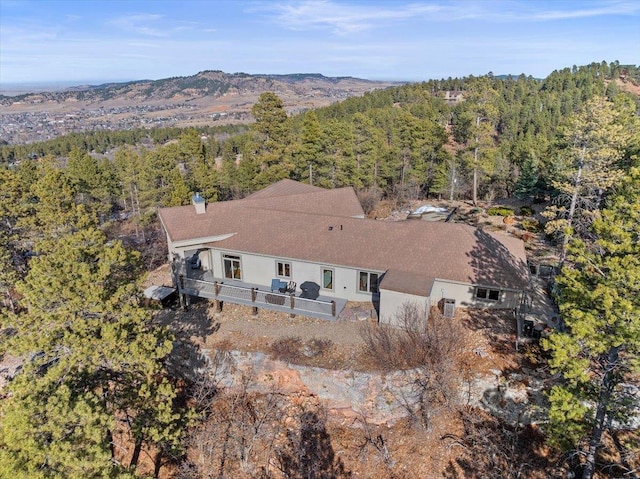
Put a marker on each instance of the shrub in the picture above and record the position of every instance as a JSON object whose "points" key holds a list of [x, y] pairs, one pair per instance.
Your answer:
{"points": [[500, 211], [527, 237], [287, 349], [531, 225], [369, 199], [411, 344], [317, 347], [433, 352], [534, 354], [526, 211]]}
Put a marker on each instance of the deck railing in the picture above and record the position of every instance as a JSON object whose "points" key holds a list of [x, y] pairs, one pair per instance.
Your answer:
{"points": [[256, 297]]}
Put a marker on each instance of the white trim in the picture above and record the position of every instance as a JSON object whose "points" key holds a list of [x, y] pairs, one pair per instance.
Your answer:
{"points": [[231, 257], [368, 290], [290, 263], [478, 285], [333, 278], [202, 241]]}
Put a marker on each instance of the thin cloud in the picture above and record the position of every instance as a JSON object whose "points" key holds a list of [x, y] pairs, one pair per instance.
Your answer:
{"points": [[18, 37], [344, 19], [614, 8], [340, 18], [141, 24]]}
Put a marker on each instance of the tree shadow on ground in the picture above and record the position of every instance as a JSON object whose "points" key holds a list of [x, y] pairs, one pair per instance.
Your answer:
{"points": [[189, 326], [498, 325], [491, 448], [308, 453]]}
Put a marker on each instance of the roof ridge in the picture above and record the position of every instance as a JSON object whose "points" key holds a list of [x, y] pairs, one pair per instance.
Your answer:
{"points": [[305, 193], [310, 213], [279, 188]]}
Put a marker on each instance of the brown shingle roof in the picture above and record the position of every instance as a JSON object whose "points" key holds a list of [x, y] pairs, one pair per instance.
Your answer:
{"points": [[182, 223], [336, 202], [420, 250], [407, 282], [283, 188]]}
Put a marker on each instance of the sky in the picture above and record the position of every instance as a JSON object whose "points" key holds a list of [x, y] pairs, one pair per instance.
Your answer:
{"points": [[94, 41]]}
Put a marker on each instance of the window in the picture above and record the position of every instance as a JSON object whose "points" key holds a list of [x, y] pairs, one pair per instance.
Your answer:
{"points": [[490, 294], [283, 269], [368, 282], [327, 278], [232, 267]]}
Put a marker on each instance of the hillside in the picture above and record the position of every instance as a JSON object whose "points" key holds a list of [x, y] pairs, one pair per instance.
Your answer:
{"points": [[176, 101]]}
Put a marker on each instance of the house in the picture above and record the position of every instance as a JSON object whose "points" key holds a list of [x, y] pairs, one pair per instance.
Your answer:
{"points": [[453, 96], [301, 233]]}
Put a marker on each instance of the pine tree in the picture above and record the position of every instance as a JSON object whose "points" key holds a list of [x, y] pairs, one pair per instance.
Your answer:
{"points": [[270, 145], [367, 145], [159, 176], [527, 184], [310, 150], [8, 272], [92, 365], [53, 210], [482, 99], [202, 175], [448, 179], [600, 305], [594, 140]]}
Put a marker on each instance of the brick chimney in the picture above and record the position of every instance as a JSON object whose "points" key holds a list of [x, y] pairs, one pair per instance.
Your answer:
{"points": [[200, 204]]}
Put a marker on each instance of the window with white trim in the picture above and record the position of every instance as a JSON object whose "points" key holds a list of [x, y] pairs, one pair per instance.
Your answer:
{"points": [[327, 278], [232, 268], [368, 282], [486, 293], [283, 269]]}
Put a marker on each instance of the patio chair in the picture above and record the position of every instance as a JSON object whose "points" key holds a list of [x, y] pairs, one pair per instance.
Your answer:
{"points": [[289, 287], [277, 285]]}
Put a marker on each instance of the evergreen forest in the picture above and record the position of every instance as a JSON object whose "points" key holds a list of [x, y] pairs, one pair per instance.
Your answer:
{"points": [[97, 371]]}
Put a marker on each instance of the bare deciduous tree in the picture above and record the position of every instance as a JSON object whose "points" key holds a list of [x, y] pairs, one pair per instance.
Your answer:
{"points": [[237, 437], [369, 199], [430, 354]]}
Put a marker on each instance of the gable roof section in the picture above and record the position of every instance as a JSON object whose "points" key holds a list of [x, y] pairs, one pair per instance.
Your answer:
{"points": [[336, 202], [406, 282], [414, 253], [283, 188], [183, 224]]}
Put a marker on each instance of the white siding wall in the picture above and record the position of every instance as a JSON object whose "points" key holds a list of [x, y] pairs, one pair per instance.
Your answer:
{"points": [[464, 294], [173, 250], [262, 269], [392, 301]]}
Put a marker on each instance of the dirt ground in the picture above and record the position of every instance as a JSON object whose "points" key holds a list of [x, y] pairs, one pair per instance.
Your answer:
{"points": [[490, 335], [414, 452]]}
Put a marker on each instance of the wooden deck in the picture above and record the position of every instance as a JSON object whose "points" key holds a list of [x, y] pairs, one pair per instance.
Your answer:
{"points": [[259, 296]]}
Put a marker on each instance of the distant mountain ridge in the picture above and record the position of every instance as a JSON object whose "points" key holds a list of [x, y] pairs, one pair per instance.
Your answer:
{"points": [[202, 99], [206, 83]]}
